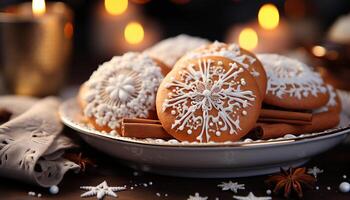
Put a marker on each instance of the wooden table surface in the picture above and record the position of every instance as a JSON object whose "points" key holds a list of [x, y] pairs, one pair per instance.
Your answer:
{"points": [[335, 164]]}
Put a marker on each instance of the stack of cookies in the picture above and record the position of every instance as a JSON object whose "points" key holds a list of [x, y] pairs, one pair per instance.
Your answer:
{"points": [[213, 93]]}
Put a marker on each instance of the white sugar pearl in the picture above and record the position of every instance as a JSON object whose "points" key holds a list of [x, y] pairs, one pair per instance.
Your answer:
{"points": [[317, 188], [244, 112], [39, 195], [344, 187], [344, 176], [173, 112], [189, 132], [328, 188], [218, 133], [268, 192], [54, 189]]}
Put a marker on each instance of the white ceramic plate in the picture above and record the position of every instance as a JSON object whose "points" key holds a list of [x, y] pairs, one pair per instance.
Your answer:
{"points": [[231, 159]]}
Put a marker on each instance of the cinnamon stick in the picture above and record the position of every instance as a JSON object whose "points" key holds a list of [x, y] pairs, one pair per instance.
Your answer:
{"points": [[284, 121], [320, 122], [284, 114], [143, 128]]}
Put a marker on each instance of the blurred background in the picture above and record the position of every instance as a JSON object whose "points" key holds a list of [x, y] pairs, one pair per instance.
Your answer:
{"points": [[96, 30]]}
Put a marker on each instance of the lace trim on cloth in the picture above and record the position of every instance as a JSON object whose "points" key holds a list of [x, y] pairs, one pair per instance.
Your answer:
{"points": [[31, 146]]}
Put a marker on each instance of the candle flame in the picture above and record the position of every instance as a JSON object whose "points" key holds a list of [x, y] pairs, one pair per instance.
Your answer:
{"points": [[248, 39], [116, 7], [268, 16], [38, 7], [134, 33]]}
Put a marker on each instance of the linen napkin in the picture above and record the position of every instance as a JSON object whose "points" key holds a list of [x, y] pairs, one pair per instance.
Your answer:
{"points": [[31, 143]]}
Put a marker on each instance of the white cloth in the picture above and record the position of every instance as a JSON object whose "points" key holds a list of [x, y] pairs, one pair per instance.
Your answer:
{"points": [[31, 143]]}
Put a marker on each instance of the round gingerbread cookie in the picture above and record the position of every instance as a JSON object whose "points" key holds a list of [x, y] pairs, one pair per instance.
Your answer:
{"points": [[208, 99], [232, 51], [171, 49], [124, 87], [292, 84]]}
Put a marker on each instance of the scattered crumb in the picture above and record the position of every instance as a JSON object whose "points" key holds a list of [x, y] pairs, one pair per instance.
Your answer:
{"points": [[135, 173], [328, 188], [158, 194], [150, 183], [145, 185], [268, 192], [317, 188]]}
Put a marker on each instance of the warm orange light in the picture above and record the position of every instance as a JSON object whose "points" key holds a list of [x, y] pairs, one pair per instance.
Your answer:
{"points": [[38, 7], [141, 1], [116, 7], [248, 39], [319, 51], [68, 30], [134, 33], [268, 16]]}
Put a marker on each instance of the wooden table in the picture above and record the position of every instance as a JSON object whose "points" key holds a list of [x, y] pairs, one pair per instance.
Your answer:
{"points": [[335, 164]]}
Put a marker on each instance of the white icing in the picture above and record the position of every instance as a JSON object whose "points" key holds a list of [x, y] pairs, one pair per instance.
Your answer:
{"points": [[332, 101], [233, 186], [205, 88], [123, 87], [230, 51], [251, 196], [171, 49], [286, 76]]}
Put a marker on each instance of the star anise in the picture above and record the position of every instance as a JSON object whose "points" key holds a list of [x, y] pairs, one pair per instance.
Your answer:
{"points": [[293, 179], [5, 115], [78, 158]]}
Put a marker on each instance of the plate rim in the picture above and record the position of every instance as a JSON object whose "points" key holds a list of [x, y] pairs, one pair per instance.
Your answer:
{"points": [[256, 144]]}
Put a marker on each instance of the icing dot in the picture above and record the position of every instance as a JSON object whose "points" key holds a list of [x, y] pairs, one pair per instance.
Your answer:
{"points": [[244, 112], [54, 189], [189, 132], [344, 187], [173, 112], [268, 192], [218, 133]]}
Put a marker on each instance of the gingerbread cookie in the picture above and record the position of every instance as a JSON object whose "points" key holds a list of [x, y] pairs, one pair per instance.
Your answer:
{"points": [[232, 51], [171, 49], [208, 99], [292, 84], [124, 87]]}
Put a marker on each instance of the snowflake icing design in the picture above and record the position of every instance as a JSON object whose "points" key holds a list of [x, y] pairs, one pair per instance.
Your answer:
{"points": [[101, 190], [197, 197], [124, 87], [290, 77], [233, 186], [210, 88], [251, 196], [231, 51], [315, 171]]}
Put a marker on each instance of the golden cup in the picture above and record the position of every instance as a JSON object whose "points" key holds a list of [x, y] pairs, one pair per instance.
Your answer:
{"points": [[35, 50]]}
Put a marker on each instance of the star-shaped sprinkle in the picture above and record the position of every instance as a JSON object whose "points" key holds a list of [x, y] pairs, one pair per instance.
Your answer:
{"points": [[101, 190], [251, 196], [197, 197], [233, 186], [314, 171]]}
